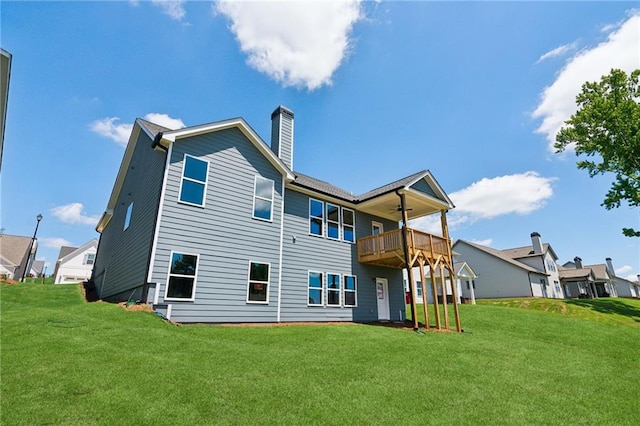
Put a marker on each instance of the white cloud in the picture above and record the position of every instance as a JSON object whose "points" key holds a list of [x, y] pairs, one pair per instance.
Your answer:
{"points": [[164, 120], [557, 101], [55, 243], [119, 133], [487, 198], [631, 277], [486, 242], [73, 213], [299, 44], [174, 8], [623, 270], [558, 51], [108, 128]]}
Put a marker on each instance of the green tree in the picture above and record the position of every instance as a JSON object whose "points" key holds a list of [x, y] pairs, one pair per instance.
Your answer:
{"points": [[606, 129]]}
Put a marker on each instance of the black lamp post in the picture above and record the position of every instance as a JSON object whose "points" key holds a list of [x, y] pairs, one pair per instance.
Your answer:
{"points": [[28, 265]]}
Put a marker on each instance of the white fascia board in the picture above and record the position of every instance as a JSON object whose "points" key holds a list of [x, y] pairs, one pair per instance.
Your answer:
{"points": [[322, 196], [433, 183]]}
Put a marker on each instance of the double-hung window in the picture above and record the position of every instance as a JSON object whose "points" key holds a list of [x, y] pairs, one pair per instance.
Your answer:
{"points": [[90, 258], [316, 217], [349, 297], [348, 225], [333, 290], [181, 284], [316, 289], [258, 289], [194, 181], [333, 221], [263, 198]]}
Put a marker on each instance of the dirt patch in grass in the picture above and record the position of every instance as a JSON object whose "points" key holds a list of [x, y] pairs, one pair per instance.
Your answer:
{"points": [[8, 281], [141, 307]]}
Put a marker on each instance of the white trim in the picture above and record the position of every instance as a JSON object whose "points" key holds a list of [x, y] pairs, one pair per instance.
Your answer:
{"points": [[379, 225], [309, 218], [169, 309], [326, 211], [281, 250], [323, 285], [339, 304], [163, 192], [183, 178], [354, 224], [268, 282], [354, 291], [156, 296], [256, 196], [195, 277]]}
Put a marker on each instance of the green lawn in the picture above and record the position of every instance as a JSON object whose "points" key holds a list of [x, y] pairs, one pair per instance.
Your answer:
{"points": [[64, 361]]}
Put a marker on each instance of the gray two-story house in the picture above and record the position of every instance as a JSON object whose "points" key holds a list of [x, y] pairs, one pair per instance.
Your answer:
{"points": [[211, 224]]}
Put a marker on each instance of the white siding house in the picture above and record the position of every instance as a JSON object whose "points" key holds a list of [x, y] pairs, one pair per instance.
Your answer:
{"points": [[75, 264]]}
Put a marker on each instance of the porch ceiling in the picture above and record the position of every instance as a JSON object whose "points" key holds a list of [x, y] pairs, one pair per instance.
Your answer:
{"points": [[388, 205]]}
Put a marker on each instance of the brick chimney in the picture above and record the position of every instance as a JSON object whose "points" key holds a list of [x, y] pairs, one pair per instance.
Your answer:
{"points": [[578, 262], [282, 134], [536, 241]]}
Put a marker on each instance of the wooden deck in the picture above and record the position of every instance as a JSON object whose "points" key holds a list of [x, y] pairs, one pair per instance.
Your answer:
{"points": [[386, 249]]}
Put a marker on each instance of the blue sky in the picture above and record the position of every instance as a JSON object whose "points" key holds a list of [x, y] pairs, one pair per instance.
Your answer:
{"points": [[473, 91]]}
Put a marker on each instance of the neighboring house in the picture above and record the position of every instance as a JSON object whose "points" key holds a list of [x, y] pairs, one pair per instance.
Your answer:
{"points": [[529, 271], [210, 224], [464, 281], [15, 256], [600, 282], [626, 288], [37, 266], [75, 264], [5, 75]]}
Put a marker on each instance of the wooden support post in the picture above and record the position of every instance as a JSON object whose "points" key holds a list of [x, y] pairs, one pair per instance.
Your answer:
{"points": [[434, 288], [445, 309], [454, 290], [425, 302], [407, 259]]}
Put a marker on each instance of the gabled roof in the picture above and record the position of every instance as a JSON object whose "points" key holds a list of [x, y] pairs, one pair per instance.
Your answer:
{"points": [[322, 187], [500, 255], [151, 129], [600, 271], [575, 274], [70, 255], [528, 251], [65, 250], [37, 266], [14, 248]]}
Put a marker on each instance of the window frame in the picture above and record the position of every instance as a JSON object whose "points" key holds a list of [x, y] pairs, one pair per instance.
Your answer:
{"points": [[375, 224], [352, 226], [322, 287], [127, 217], [345, 291], [322, 233], [86, 259], [169, 275], [337, 223], [183, 178], [338, 291], [256, 196], [267, 283]]}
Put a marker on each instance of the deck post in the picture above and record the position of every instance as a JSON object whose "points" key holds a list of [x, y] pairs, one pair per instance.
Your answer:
{"points": [[454, 290], [445, 309], [434, 288], [407, 259], [425, 302]]}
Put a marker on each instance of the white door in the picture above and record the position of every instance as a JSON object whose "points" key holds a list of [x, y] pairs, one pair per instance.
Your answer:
{"points": [[382, 296]]}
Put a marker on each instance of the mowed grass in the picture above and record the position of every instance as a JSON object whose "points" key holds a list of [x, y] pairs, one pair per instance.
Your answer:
{"points": [[64, 361]]}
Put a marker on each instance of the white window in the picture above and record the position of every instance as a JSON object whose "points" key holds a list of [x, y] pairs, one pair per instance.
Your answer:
{"points": [[316, 217], [181, 283], [262, 198], [258, 287], [127, 219], [316, 289], [350, 298], [376, 228], [333, 221], [194, 181], [89, 258], [333, 290], [348, 225]]}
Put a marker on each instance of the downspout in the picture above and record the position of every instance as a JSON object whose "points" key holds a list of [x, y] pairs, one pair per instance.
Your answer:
{"points": [[405, 248]]}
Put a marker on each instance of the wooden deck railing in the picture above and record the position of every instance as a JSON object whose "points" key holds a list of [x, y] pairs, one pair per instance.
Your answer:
{"points": [[386, 248]]}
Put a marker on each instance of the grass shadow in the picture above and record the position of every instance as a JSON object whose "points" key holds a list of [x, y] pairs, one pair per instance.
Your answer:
{"points": [[608, 306]]}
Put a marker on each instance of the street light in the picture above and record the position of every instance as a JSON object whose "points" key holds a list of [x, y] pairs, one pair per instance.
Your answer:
{"points": [[28, 265]]}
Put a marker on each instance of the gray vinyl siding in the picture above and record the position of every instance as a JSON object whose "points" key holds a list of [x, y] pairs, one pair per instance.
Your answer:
{"points": [[303, 252], [223, 233], [124, 254], [424, 187], [282, 139]]}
